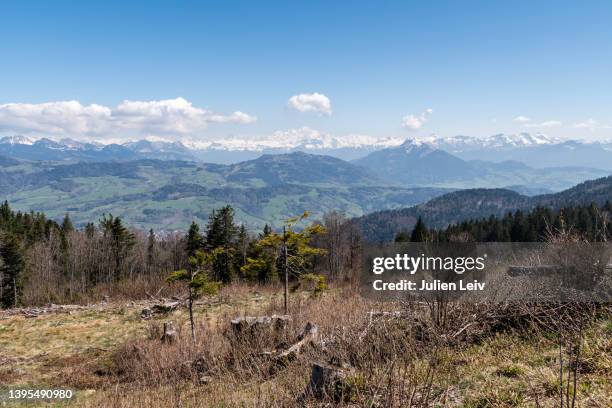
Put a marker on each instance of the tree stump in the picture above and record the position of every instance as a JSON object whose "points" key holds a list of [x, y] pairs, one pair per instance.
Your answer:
{"points": [[250, 325], [146, 313], [335, 382], [170, 335]]}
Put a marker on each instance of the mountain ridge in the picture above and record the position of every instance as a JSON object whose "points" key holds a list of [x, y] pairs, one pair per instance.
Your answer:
{"points": [[477, 203], [415, 163], [347, 147]]}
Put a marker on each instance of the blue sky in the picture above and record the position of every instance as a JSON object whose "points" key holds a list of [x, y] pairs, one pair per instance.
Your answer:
{"points": [[478, 65]]}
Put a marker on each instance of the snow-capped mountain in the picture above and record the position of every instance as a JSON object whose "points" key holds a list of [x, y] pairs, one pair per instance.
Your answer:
{"points": [[17, 140], [461, 143], [536, 150], [303, 138], [45, 149]]}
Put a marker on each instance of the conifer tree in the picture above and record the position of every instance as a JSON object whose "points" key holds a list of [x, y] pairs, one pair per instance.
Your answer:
{"points": [[419, 233], [121, 239], [198, 281], [11, 271], [266, 231], [65, 230], [221, 242], [402, 236], [290, 251], [195, 241], [67, 226]]}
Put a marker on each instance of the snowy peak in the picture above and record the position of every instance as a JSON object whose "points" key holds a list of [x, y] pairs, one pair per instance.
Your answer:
{"points": [[17, 140], [417, 147], [303, 138], [461, 143]]}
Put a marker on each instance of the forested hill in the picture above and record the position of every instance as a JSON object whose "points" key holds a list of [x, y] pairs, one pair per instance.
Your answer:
{"points": [[468, 204], [168, 195]]}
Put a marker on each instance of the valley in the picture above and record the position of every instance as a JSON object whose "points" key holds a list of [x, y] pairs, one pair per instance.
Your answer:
{"points": [[165, 186]]}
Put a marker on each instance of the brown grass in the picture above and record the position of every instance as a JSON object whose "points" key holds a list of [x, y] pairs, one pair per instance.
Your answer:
{"points": [[117, 360]]}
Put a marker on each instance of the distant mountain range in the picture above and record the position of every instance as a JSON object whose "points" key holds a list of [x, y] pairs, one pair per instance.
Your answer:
{"points": [[477, 203], [416, 163], [537, 150], [534, 150], [459, 162], [165, 185], [21, 147]]}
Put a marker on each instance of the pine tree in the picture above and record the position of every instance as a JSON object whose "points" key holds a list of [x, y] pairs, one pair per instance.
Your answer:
{"points": [[67, 226], [221, 229], [290, 252], [121, 240], [419, 233], [221, 242], [6, 215], [266, 231], [11, 271], [66, 229], [198, 281], [195, 241], [402, 236]]}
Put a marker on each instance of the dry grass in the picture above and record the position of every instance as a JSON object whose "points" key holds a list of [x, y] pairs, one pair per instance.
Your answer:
{"points": [[116, 360]]}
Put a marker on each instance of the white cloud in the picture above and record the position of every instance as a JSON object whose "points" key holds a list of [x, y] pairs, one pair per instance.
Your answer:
{"points": [[143, 118], [414, 122], [591, 124], [313, 102], [545, 124], [522, 119]]}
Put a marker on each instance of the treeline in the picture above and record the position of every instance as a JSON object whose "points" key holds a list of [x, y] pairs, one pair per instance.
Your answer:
{"points": [[44, 261], [592, 223]]}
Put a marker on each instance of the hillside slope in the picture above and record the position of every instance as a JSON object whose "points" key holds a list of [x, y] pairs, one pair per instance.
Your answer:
{"points": [[477, 203], [170, 194]]}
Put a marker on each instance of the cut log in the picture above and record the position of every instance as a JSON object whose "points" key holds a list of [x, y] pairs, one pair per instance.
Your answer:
{"points": [[32, 312], [170, 335], [308, 336], [160, 308], [163, 308], [250, 325]]}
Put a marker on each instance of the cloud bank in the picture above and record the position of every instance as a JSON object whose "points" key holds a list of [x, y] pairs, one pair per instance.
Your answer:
{"points": [[414, 122], [545, 124], [166, 117], [522, 119], [591, 124], [528, 123], [313, 102]]}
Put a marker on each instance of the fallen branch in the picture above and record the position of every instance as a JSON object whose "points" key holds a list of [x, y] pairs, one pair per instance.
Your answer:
{"points": [[160, 308], [308, 336]]}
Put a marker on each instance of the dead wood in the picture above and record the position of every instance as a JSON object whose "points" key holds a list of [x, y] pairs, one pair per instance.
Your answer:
{"points": [[308, 336]]}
